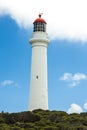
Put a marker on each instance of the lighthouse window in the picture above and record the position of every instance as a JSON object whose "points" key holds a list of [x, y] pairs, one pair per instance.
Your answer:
{"points": [[37, 77]]}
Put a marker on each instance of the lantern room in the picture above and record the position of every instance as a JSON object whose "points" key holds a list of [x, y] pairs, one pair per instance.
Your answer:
{"points": [[39, 24]]}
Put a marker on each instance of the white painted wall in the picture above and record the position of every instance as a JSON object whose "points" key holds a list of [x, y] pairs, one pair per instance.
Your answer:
{"points": [[38, 84]]}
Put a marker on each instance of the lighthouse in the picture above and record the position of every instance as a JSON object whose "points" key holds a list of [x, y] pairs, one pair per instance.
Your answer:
{"points": [[39, 41]]}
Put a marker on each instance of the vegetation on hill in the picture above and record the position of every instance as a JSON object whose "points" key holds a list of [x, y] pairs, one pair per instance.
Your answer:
{"points": [[43, 120]]}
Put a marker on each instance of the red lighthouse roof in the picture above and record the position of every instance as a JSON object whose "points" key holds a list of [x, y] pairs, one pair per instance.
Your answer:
{"points": [[39, 19]]}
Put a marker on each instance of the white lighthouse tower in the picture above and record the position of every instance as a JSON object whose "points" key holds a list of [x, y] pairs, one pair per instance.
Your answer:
{"points": [[39, 41]]}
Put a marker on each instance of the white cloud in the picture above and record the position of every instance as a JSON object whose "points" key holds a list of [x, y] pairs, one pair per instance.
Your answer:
{"points": [[66, 77], [85, 105], [8, 83], [74, 108], [79, 76], [65, 18], [73, 79], [74, 83]]}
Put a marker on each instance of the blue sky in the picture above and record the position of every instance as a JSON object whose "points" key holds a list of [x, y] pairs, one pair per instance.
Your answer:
{"points": [[67, 66]]}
